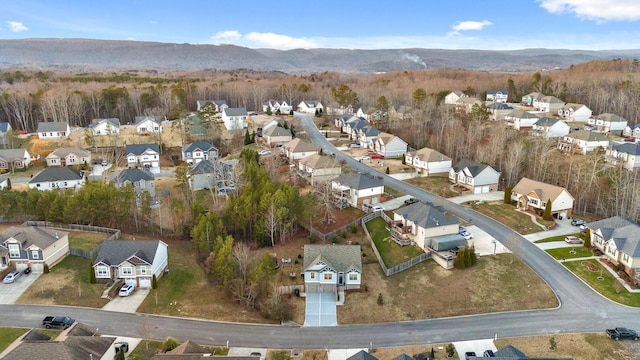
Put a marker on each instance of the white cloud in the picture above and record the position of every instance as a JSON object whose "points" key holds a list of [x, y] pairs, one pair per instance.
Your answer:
{"points": [[15, 26], [597, 10], [468, 25], [226, 36], [280, 41]]}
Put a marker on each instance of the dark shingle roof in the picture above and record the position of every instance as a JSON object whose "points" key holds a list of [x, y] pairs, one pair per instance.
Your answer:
{"points": [[72, 348], [235, 111], [426, 215], [212, 166], [115, 122], [362, 355], [4, 127], [627, 148], [140, 119], [56, 174], [36, 334], [546, 121], [202, 145], [624, 232], [113, 252], [133, 176], [138, 149], [32, 235], [475, 168], [52, 126], [358, 181], [340, 258]]}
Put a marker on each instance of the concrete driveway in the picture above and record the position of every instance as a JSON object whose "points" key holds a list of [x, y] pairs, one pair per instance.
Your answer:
{"points": [[9, 293], [129, 303]]}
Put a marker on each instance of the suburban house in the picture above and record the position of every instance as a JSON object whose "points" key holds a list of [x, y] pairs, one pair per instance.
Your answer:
{"points": [[465, 104], [190, 350], [318, 168], [428, 161], [389, 145], [550, 104], [32, 246], [53, 130], [357, 189], [476, 177], [141, 180], [234, 118], [583, 140], [108, 126], [212, 174], [619, 239], [521, 119], [135, 262], [453, 97], [531, 98], [330, 268], [310, 107], [277, 107], [12, 159], [534, 195], [197, 151], [4, 182], [499, 110], [550, 128], [624, 154], [364, 135], [148, 125], [55, 178], [218, 105], [276, 135], [609, 122], [421, 222], [498, 96], [146, 156], [575, 112], [68, 156], [365, 115], [632, 131], [297, 149]]}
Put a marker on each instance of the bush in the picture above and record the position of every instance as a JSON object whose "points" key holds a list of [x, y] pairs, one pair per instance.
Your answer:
{"points": [[154, 282], [354, 228], [380, 299], [450, 350], [312, 238], [334, 239], [169, 344], [45, 269], [92, 275], [344, 234]]}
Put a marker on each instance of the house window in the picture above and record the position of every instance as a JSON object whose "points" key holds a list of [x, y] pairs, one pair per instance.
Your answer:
{"points": [[14, 250], [143, 270], [353, 277], [312, 275], [102, 271], [612, 250], [3, 165], [35, 254], [126, 271], [625, 258], [328, 276], [534, 202]]}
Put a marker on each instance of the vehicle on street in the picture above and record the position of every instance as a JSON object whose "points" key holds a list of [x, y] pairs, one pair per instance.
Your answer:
{"points": [[467, 235], [410, 201], [125, 290], [11, 277], [61, 322], [577, 222], [572, 240], [376, 156], [622, 333]]}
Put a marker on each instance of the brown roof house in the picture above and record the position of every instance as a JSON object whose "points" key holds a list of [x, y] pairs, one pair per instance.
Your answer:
{"points": [[297, 149], [68, 156], [534, 195], [318, 168]]}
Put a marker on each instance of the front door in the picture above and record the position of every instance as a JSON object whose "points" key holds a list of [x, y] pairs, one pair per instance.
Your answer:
{"points": [[340, 279]]}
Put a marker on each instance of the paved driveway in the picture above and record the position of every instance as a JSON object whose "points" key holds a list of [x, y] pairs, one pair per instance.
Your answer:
{"points": [[9, 293], [320, 310], [129, 303]]}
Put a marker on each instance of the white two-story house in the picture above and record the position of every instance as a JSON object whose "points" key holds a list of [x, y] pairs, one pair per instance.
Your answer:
{"points": [[476, 177], [146, 156]]}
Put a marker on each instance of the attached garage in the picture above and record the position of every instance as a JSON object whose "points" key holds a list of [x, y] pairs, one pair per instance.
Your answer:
{"points": [[144, 282], [131, 281]]}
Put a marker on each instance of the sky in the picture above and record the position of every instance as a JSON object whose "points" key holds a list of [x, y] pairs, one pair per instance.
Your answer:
{"points": [[347, 24]]}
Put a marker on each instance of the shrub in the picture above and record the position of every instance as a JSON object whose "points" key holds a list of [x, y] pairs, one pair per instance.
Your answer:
{"points": [[553, 344], [45, 269], [450, 350], [154, 282], [354, 228], [334, 239], [380, 299], [92, 275], [312, 238], [344, 234], [169, 344]]}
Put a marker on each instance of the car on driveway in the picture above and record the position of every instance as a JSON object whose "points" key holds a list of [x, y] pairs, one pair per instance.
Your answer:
{"points": [[125, 290], [376, 156], [410, 201], [377, 208], [577, 222], [363, 157], [467, 235], [11, 277], [572, 240]]}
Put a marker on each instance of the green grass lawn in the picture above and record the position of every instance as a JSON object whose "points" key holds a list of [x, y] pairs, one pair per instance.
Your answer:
{"points": [[438, 185], [609, 287], [557, 238], [9, 335], [560, 253], [145, 350], [392, 254], [86, 240], [507, 215]]}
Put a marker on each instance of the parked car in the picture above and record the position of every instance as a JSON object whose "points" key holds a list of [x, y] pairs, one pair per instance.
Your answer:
{"points": [[255, 353], [354, 145], [572, 240], [11, 277], [577, 222], [410, 201], [376, 156], [363, 157], [125, 290], [469, 355], [264, 152], [377, 208], [104, 163], [488, 353], [622, 333], [467, 235], [27, 270], [121, 346]]}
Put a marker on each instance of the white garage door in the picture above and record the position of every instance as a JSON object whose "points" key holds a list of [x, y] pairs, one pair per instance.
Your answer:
{"points": [[477, 190], [130, 281], [145, 282], [486, 189]]}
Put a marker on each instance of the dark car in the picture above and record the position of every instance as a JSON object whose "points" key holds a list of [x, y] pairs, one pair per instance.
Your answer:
{"points": [[469, 354], [411, 201], [577, 222], [489, 353], [27, 271]]}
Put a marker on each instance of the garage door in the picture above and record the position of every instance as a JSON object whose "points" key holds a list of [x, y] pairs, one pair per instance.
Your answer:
{"points": [[477, 190], [145, 282], [130, 281], [486, 189]]}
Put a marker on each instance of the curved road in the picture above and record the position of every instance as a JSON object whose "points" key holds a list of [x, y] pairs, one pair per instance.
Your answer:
{"points": [[581, 309]]}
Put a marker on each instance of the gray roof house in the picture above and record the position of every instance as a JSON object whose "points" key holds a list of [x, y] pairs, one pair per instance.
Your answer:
{"points": [[550, 127], [55, 178], [625, 154], [145, 155], [212, 174], [108, 126], [141, 180], [33, 246], [53, 130], [328, 268], [197, 151], [235, 118], [11, 159], [133, 261], [68, 156], [619, 239], [421, 222], [357, 189], [362, 355], [475, 177]]}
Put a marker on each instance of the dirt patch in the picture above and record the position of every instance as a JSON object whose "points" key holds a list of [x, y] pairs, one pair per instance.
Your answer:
{"points": [[590, 266]]}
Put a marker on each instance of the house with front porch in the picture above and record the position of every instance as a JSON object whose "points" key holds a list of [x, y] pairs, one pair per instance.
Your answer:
{"points": [[14, 159], [619, 239], [53, 130], [356, 189], [235, 118], [521, 119], [475, 177], [550, 128], [583, 141], [32, 246], [575, 112], [57, 178], [68, 156], [421, 222], [624, 154], [330, 268], [135, 262], [428, 161], [609, 122], [389, 145], [146, 156], [317, 168], [534, 195]]}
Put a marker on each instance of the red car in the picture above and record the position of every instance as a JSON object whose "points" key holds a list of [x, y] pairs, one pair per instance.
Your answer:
{"points": [[376, 156]]}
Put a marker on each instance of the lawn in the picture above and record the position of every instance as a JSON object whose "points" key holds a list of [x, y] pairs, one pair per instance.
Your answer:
{"points": [[9, 335], [434, 184], [557, 238], [67, 283], [86, 240], [507, 215], [609, 287], [392, 254], [578, 251]]}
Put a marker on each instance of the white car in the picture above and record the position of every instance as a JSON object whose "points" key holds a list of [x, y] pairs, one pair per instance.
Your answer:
{"points": [[467, 235], [126, 290], [377, 208], [363, 157], [264, 152]]}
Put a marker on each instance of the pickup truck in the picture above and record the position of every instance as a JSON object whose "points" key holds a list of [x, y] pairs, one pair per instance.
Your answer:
{"points": [[61, 322], [622, 333]]}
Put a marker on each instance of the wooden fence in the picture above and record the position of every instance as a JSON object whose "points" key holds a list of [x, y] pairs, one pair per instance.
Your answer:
{"points": [[115, 234]]}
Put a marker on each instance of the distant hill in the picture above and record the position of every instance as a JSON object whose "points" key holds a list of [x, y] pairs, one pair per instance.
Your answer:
{"points": [[92, 55]]}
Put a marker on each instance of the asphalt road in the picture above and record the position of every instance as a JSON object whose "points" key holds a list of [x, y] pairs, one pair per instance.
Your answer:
{"points": [[581, 309]]}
